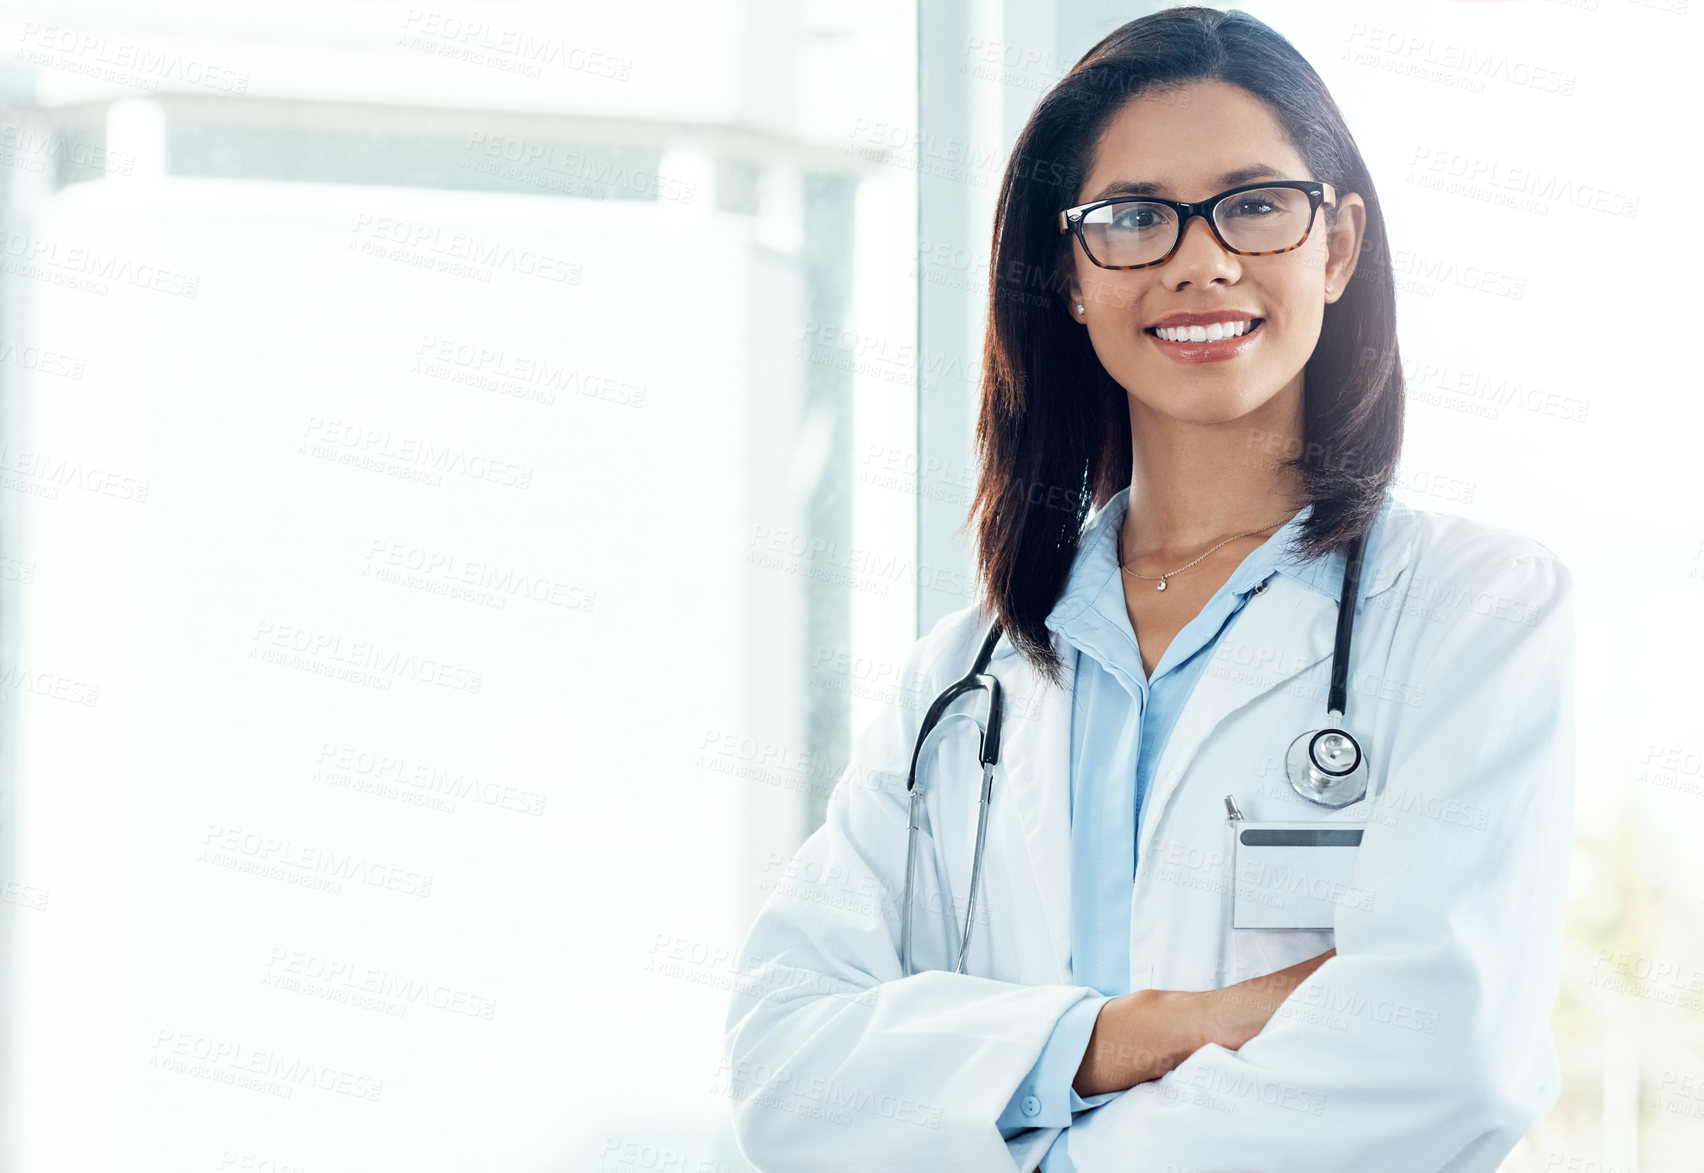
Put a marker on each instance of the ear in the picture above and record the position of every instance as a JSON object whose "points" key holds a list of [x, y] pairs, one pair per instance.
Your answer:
{"points": [[1343, 244], [1071, 289]]}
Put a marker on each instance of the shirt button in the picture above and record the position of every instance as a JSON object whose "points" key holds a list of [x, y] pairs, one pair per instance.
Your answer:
{"points": [[1031, 1106], [1260, 588]]}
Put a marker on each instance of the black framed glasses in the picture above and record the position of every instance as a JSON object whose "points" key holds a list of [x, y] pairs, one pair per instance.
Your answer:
{"points": [[1254, 220]]}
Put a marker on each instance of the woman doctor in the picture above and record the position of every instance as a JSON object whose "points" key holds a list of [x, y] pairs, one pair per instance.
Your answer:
{"points": [[1185, 422]]}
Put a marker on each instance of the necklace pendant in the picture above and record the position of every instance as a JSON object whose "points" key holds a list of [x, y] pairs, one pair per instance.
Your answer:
{"points": [[1162, 584]]}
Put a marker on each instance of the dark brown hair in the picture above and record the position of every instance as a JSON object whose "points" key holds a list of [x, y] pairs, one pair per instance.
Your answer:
{"points": [[1053, 433]]}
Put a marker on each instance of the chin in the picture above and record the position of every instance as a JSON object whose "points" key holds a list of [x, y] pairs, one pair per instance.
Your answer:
{"points": [[1208, 406]]}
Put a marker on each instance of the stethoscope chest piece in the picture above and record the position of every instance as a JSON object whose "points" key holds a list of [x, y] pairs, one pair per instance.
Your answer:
{"points": [[1327, 766]]}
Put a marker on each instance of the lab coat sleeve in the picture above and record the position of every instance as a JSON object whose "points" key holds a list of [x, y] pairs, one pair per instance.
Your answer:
{"points": [[1045, 1097], [1424, 1043], [834, 1061]]}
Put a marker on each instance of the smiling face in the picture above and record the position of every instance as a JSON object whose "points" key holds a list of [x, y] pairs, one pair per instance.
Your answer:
{"points": [[1189, 143]]}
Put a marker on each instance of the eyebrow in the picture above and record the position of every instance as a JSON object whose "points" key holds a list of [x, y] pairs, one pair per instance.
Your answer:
{"points": [[1145, 187]]}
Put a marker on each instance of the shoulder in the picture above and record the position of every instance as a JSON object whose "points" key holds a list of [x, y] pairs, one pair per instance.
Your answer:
{"points": [[1472, 586], [1432, 549]]}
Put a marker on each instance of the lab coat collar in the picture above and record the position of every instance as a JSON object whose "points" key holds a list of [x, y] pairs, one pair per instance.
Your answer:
{"points": [[1389, 546]]}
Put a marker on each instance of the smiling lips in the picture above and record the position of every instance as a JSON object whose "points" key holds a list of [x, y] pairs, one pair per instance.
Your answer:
{"points": [[1209, 337]]}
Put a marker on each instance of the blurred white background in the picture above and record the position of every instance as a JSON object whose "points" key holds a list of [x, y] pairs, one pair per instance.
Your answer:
{"points": [[461, 498]]}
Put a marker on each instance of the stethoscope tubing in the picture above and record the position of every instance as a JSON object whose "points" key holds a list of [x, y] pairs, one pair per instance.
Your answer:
{"points": [[1337, 698], [988, 752]]}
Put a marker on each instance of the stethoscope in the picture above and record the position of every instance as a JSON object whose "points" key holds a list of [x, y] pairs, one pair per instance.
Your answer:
{"points": [[1325, 766]]}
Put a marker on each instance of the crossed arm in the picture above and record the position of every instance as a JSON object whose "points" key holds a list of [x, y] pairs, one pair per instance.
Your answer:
{"points": [[1467, 925]]}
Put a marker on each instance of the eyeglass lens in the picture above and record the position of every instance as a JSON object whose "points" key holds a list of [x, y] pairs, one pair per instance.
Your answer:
{"points": [[1136, 232]]}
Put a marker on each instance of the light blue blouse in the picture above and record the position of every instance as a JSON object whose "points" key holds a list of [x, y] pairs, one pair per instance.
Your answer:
{"points": [[1120, 722]]}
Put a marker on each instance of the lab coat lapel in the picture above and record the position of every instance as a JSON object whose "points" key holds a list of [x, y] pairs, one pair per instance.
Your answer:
{"points": [[1036, 753], [1281, 633]]}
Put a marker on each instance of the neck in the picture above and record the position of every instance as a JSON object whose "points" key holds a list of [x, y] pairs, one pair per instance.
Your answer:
{"points": [[1193, 484]]}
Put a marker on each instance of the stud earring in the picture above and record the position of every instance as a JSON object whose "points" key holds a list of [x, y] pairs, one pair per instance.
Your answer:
{"points": [[1079, 307], [1328, 289]]}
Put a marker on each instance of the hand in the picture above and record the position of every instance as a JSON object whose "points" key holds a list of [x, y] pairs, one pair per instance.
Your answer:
{"points": [[1235, 1014], [1142, 1035]]}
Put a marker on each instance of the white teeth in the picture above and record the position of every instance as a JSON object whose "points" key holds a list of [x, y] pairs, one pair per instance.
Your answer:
{"points": [[1209, 333]]}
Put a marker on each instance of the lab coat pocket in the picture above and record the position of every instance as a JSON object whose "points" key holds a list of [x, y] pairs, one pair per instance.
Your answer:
{"points": [[1291, 875]]}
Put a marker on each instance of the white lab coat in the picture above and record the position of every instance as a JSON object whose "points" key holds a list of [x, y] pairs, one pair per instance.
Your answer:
{"points": [[1422, 1045]]}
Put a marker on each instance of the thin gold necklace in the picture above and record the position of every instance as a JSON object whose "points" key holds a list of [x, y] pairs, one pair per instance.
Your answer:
{"points": [[1186, 566]]}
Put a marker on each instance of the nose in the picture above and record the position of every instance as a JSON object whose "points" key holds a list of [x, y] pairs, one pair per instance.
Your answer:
{"points": [[1200, 258]]}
